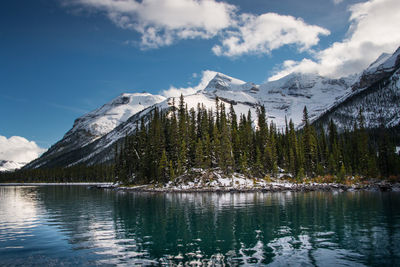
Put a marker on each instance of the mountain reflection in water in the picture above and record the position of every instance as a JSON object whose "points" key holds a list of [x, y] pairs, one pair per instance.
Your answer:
{"points": [[74, 225]]}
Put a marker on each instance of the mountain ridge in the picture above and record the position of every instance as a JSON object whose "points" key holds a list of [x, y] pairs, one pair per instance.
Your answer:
{"points": [[283, 98]]}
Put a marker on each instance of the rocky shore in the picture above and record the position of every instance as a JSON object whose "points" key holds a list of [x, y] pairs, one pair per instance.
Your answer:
{"points": [[275, 187], [216, 182]]}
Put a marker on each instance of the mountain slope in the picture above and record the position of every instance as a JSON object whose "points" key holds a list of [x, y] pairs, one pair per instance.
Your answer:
{"points": [[376, 92], [95, 124], [285, 97], [93, 137], [8, 165]]}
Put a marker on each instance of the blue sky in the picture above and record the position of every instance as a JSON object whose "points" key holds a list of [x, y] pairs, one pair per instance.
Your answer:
{"points": [[63, 58]]}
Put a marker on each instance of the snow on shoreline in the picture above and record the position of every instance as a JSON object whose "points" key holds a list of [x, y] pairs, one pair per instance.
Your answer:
{"points": [[215, 181], [200, 180]]}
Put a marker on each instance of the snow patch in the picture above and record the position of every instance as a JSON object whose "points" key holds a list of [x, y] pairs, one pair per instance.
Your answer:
{"points": [[6, 165]]}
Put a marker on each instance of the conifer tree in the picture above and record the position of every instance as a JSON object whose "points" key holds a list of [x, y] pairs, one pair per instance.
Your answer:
{"points": [[166, 144], [308, 144], [362, 144], [342, 173], [171, 171], [234, 136], [225, 145], [163, 167]]}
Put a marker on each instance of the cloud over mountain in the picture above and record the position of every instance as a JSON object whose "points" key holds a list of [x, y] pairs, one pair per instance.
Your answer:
{"points": [[173, 91], [266, 32], [19, 149], [163, 22], [374, 28]]}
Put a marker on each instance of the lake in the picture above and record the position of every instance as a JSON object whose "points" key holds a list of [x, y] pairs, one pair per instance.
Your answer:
{"points": [[76, 225]]}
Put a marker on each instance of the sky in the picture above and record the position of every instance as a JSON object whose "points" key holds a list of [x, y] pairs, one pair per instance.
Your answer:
{"points": [[63, 58]]}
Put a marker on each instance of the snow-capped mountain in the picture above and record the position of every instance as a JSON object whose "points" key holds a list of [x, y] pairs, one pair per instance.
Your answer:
{"points": [[101, 121], [95, 124], [92, 138], [376, 91], [8, 165]]}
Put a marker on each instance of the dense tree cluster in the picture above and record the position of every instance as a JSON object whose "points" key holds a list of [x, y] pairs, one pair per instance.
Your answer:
{"points": [[174, 141], [171, 142], [79, 173]]}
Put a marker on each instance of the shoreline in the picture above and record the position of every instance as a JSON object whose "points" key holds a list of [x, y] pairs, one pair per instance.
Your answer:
{"points": [[269, 188]]}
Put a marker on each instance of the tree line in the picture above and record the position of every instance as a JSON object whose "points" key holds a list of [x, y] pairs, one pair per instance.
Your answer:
{"points": [[174, 141], [78, 173]]}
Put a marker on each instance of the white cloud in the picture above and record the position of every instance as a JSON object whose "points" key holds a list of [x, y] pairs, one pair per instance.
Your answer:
{"points": [[207, 75], [161, 22], [374, 29], [19, 149], [336, 2], [269, 31]]}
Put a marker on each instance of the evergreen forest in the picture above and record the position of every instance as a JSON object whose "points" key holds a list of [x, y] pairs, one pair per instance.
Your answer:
{"points": [[172, 142]]}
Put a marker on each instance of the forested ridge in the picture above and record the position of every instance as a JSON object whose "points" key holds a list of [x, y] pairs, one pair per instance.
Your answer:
{"points": [[174, 141]]}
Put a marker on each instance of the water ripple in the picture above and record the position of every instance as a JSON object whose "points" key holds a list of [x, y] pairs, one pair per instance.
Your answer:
{"points": [[66, 225]]}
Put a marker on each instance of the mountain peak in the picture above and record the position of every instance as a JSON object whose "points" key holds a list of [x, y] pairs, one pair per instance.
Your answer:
{"points": [[294, 81], [385, 62], [223, 82], [94, 133], [382, 67]]}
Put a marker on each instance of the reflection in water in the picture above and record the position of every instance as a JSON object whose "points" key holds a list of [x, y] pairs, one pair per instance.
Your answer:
{"points": [[75, 225]]}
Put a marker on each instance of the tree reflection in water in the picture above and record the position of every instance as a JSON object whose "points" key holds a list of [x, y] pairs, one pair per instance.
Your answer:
{"points": [[314, 228]]}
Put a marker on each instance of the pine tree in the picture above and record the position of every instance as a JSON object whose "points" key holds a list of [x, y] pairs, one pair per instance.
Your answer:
{"points": [[170, 144], [235, 137], [225, 149], [308, 145], [342, 173], [199, 154], [163, 166], [171, 171], [362, 145]]}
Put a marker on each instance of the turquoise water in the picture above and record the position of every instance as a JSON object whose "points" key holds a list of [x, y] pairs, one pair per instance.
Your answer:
{"points": [[74, 225]]}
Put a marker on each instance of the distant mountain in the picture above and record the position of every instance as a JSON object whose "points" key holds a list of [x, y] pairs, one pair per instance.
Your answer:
{"points": [[284, 97], [95, 124], [93, 136], [376, 91], [7, 165]]}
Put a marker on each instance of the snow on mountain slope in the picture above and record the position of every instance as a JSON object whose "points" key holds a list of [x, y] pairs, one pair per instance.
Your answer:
{"points": [[104, 119], [7, 165], [284, 97], [381, 68], [288, 96], [380, 103], [96, 124], [104, 146], [88, 141], [377, 92], [378, 62], [224, 82], [94, 135]]}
